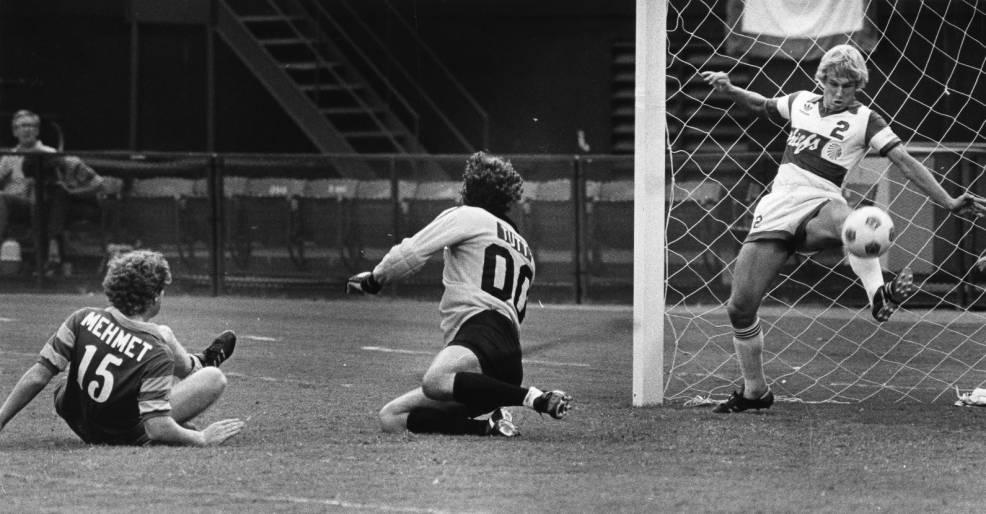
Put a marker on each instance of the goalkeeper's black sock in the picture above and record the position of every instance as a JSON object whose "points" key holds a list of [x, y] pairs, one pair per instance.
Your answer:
{"points": [[480, 391], [436, 421]]}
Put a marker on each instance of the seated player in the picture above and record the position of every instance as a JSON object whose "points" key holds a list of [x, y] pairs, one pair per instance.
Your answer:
{"points": [[830, 133], [121, 368], [488, 271]]}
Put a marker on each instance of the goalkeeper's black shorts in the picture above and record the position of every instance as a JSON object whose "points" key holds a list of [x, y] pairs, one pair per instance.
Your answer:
{"points": [[492, 339]]}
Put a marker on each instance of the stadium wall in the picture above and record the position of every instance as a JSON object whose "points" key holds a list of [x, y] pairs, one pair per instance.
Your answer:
{"points": [[543, 72]]}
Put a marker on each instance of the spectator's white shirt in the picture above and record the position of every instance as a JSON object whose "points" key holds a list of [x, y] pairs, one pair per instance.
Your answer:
{"points": [[12, 179]]}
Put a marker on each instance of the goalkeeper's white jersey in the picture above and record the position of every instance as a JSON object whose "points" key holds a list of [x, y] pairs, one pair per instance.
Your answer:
{"points": [[831, 145], [488, 265]]}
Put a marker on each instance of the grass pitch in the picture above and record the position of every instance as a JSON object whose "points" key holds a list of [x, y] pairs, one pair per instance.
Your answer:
{"points": [[309, 376]]}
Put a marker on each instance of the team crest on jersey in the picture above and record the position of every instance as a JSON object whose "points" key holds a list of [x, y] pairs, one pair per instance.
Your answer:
{"points": [[801, 140], [832, 151]]}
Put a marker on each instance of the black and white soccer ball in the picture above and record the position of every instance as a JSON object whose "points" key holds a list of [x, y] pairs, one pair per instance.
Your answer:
{"points": [[868, 232]]}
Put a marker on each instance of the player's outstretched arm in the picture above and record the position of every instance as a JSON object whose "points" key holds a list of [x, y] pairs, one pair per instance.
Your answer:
{"points": [[165, 430], [31, 383], [719, 80], [363, 283], [966, 204]]}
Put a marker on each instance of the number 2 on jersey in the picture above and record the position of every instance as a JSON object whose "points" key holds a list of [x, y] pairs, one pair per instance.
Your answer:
{"points": [[102, 371], [508, 290]]}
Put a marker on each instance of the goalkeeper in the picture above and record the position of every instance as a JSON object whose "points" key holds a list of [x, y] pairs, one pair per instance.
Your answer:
{"points": [[804, 211], [488, 271]]}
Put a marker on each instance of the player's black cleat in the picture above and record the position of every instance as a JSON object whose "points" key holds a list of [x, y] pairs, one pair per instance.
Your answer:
{"points": [[220, 349], [890, 295], [554, 403], [502, 424], [738, 403]]}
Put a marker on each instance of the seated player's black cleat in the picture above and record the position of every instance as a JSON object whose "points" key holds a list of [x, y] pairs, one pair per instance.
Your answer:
{"points": [[890, 295], [738, 403], [220, 349], [554, 403]]}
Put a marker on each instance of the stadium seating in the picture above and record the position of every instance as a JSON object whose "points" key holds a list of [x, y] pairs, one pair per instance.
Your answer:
{"points": [[429, 200], [695, 239], [609, 229], [376, 220], [325, 212], [548, 224], [152, 211], [268, 218]]}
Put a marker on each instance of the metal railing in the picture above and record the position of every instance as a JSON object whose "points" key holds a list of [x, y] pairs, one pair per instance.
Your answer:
{"points": [[234, 222]]}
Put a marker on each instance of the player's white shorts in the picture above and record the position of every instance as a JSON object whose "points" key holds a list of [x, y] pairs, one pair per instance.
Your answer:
{"points": [[795, 197]]}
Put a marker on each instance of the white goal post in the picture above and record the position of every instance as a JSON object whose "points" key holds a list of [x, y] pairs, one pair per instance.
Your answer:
{"points": [[648, 209]]}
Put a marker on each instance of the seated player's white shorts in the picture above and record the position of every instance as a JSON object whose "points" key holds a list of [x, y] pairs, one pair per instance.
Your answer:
{"points": [[795, 198]]}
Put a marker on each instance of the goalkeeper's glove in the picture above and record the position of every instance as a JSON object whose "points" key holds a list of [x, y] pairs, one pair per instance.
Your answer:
{"points": [[363, 283]]}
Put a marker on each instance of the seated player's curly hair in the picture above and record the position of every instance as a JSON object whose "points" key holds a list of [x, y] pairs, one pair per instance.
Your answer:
{"points": [[492, 183], [135, 279]]}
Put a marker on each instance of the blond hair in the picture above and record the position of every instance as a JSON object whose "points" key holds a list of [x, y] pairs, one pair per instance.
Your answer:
{"points": [[843, 61]]}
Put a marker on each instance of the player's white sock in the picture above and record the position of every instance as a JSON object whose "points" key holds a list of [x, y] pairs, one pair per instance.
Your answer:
{"points": [[196, 363], [869, 272], [749, 350], [532, 394]]}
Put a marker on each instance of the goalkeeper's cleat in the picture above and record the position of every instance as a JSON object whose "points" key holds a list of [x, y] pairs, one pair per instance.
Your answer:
{"points": [[739, 403], [890, 295], [220, 349], [502, 424], [554, 403]]}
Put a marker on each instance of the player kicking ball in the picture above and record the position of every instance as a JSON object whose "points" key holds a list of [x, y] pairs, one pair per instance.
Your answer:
{"points": [[805, 211], [120, 387], [488, 271]]}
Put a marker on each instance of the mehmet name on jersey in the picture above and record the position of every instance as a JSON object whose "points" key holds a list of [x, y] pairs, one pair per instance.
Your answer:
{"points": [[114, 336]]}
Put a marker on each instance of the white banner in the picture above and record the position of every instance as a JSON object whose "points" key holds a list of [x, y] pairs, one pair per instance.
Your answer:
{"points": [[798, 29]]}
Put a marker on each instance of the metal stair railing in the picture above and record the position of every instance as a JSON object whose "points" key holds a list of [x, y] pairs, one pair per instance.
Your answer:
{"points": [[427, 99], [281, 86], [455, 84], [339, 80]]}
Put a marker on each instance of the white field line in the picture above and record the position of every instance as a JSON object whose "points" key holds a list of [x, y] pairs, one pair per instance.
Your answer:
{"points": [[384, 349], [264, 339]]}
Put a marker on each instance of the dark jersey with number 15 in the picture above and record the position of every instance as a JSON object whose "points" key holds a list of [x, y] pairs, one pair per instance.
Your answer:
{"points": [[119, 373], [488, 265]]}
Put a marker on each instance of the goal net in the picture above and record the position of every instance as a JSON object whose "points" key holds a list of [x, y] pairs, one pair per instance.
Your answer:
{"points": [[926, 64]]}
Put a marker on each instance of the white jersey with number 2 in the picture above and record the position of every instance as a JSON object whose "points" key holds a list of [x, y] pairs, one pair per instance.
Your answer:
{"points": [[488, 265]]}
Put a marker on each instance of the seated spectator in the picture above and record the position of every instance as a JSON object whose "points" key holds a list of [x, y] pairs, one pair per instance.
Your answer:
{"points": [[16, 197], [72, 189]]}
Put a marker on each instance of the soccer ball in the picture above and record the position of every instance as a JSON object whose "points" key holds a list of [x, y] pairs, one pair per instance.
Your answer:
{"points": [[868, 232]]}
